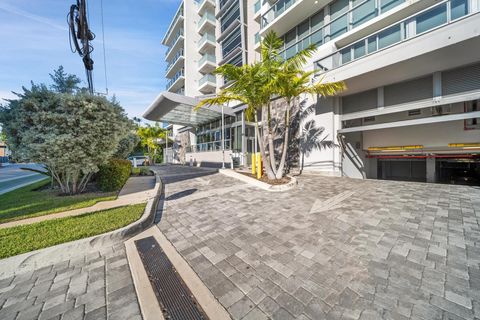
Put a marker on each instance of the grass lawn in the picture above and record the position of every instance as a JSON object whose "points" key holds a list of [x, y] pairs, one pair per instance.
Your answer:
{"points": [[21, 239], [27, 202]]}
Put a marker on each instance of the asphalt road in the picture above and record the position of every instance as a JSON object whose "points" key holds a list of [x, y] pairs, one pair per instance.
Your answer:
{"points": [[13, 177]]}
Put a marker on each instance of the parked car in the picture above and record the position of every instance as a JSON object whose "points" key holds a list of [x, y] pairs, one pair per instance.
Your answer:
{"points": [[141, 160]]}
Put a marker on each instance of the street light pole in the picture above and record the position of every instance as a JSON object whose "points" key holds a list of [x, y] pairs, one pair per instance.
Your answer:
{"points": [[166, 147], [223, 140]]}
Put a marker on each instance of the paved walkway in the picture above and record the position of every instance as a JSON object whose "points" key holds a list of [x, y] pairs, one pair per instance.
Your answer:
{"points": [[95, 284], [333, 248], [136, 190]]}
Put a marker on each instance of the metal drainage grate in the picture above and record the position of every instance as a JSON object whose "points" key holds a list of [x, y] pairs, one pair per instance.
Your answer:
{"points": [[175, 299]]}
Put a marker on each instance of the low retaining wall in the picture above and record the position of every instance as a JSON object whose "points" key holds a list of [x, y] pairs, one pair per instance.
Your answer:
{"points": [[30, 261]]}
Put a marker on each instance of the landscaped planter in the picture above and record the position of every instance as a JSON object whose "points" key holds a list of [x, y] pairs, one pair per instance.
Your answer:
{"points": [[260, 184]]}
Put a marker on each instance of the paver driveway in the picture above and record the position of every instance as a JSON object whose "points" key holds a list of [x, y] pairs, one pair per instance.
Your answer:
{"points": [[331, 248]]}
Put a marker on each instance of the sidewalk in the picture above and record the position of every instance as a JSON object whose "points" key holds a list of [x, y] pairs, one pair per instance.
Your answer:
{"points": [[136, 190]]}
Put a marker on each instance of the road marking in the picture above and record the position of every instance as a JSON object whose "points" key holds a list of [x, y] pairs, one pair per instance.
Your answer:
{"points": [[330, 203], [16, 178], [21, 185]]}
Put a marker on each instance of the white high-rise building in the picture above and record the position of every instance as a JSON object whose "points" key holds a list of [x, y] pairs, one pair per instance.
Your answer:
{"points": [[411, 110]]}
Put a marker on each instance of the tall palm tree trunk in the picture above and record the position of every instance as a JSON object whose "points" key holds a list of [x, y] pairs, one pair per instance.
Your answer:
{"points": [[281, 166], [271, 146], [266, 164]]}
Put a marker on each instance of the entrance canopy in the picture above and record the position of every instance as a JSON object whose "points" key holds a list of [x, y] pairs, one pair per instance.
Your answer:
{"points": [[179, 109]]}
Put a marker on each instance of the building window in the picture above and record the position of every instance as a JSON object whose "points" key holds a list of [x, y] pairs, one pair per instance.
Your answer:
{"points": [[363, 13], [230, 16], [432, 18], [459, 8], [233, 41], [472, 106], [390, 36]]}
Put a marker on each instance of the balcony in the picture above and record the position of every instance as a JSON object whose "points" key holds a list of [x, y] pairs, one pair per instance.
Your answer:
{"points": [[207, 84], [175, 63], [422, 43], [205, 5], [256, 10], [176, 82], [177, 43], [291, 12], [174, 25], [206, 23], [207, 63], [207, 42]]}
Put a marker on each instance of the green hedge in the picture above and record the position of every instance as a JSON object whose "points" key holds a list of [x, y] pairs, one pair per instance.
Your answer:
{"points": [[113, 175]]}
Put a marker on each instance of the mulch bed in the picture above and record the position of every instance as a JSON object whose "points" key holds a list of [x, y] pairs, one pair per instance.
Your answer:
{"points": [[265, 179]]}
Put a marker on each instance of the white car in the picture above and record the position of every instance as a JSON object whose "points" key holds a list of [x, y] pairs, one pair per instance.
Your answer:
{"points": [[141, 160]]}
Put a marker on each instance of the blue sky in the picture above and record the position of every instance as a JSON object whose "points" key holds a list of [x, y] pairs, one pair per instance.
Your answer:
{"points": [[34, 41]]}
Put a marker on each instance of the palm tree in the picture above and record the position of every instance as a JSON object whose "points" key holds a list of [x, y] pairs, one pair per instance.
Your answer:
{"points": [[256, 84], [149, 136], [248, 85], [311, 139]]}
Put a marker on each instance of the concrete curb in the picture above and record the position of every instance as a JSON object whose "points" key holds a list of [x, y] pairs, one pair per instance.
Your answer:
{"points": [[260, 184], [30, 261]]}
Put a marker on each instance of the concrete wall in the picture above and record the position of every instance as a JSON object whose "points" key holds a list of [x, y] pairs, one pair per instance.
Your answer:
{"points": [[192, 56], [326, 116], [428, 135], [213, 158]]}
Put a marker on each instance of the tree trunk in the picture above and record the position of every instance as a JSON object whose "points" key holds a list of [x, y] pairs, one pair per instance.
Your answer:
{"points": [[302, 163], [266, 164], [279, 173], [271, 147]]}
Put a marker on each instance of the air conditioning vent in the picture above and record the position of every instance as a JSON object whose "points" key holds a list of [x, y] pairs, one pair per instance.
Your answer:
{"points": [[368, 119]]}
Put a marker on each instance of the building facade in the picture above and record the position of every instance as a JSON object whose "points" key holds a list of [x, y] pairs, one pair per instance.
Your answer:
{"points": [[412, 70]]}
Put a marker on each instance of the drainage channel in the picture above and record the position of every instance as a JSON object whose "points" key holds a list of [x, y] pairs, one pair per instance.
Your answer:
{"points": [[175, 299]]}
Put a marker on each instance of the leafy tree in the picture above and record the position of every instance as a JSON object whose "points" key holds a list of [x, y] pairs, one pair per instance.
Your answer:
{"points": [[126, 146], [257, 84], [63, 82], [70, 134]]}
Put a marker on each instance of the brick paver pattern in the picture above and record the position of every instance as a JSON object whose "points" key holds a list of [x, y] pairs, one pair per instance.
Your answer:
{"points": [[95, 285], [332, 248]]}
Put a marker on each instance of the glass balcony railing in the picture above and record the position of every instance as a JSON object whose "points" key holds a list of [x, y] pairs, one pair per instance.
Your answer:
{"points": [[277, 9], [319, 33], [257, 6], [207, 78], [177, 75], [174, 59], [257, 37], [209, 146], [206, 37], [202, 2], [174, 21], [432, 18], [207, 57], [207, 16], [174, 40]]}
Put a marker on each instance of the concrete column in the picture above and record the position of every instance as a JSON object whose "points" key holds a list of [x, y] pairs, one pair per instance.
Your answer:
{"points": [[372, 168], [380, 98], [431, 175]]}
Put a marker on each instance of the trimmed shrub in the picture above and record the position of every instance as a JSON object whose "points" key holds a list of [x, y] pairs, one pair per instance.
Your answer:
{"points": [[113, 175]]}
